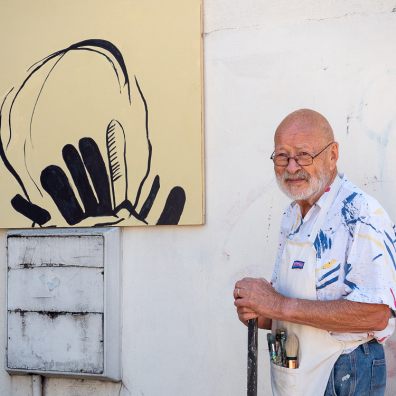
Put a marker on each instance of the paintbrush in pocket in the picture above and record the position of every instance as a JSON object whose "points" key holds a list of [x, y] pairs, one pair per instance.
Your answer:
{"points": [[292, 345]]}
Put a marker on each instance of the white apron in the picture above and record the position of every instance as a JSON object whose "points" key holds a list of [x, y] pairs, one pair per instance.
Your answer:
{"points": [[318, 350]]}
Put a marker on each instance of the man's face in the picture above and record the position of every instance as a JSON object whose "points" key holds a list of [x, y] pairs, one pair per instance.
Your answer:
{"points": [[304, 182]]}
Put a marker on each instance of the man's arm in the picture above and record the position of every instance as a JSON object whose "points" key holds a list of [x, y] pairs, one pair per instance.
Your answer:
{"points": [[258, 296], [339, 316]]}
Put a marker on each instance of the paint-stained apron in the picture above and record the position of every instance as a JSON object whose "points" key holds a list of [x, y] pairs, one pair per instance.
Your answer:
{"points": [[318, 350]]}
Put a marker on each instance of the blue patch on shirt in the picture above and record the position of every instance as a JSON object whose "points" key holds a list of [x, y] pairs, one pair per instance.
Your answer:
{"points": [[297, 264]]}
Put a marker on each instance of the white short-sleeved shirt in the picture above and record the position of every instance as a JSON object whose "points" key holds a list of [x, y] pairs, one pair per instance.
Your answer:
{"points": [[355, 250]]}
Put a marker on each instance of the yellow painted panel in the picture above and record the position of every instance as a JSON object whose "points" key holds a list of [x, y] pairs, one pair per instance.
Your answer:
{"points": [[99, 98]]}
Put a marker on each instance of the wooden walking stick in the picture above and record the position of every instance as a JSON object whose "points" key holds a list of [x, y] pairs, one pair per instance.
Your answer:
{"points": [[252, 358]]}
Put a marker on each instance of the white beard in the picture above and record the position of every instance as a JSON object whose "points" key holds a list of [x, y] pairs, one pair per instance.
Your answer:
{"points": [[315, 184]]}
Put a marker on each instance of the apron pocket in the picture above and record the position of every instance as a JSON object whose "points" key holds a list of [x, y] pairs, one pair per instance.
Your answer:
{"points": [[285, 380]]}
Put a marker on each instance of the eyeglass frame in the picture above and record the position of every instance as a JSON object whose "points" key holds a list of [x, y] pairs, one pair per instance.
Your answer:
{"points": [[296, 159]]}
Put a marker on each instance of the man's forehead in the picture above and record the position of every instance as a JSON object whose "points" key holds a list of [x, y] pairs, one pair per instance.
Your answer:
{"points": [[298, 138], [298, 146]]}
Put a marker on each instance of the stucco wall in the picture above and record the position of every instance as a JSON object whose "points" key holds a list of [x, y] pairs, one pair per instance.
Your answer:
{"points": [[263, 59]]}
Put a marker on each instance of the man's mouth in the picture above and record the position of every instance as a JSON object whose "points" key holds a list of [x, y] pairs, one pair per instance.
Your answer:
{"points": [[295, 181]]}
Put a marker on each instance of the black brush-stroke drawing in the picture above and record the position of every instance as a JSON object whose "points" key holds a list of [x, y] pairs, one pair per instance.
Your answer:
{"points": [[99, 187]]}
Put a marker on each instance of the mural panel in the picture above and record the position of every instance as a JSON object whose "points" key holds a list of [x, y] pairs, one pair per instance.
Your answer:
{"points": [[101, 113]]}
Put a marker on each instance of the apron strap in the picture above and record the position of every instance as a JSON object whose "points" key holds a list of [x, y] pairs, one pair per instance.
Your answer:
{"points": [[334, 189]]}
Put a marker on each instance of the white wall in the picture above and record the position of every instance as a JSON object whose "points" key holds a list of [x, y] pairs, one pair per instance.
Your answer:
{"points": [[263, 59]]}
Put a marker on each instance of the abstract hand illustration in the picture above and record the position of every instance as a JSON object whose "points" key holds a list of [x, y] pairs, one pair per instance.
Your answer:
{"points": [[90, 183], [103, 194]]}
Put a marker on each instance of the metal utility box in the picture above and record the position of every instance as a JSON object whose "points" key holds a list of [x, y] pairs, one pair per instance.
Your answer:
{"points": [[63, 302]]}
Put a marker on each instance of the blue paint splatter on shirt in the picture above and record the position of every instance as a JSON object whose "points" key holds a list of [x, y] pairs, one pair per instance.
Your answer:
{"points": [[350, 215], [297, 229], [347, 269], [322, 243], [329, 282], [390, 254], [390, 240], [329, 272]]}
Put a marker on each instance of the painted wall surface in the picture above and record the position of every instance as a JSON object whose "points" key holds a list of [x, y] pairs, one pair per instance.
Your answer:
{"points": [[263, 59]]}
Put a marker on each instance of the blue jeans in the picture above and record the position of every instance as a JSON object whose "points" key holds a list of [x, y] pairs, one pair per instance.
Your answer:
{"points": [[359, 373]]}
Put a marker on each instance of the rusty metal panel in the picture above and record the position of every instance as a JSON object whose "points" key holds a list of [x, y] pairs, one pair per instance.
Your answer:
{"points": [[63, 302], [71, 289], [54, 251], [55, 342]]}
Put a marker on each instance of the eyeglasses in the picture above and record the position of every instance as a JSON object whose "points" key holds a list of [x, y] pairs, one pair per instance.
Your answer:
{"points": [[302, 159]]}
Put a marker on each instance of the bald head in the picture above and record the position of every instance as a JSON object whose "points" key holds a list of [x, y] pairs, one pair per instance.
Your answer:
{"points": [[309, 122]]}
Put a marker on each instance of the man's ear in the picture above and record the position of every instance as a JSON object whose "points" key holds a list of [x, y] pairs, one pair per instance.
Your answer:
{"points": [[334, 153]]}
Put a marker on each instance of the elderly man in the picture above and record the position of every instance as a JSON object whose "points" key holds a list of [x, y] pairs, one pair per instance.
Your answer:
{"points": [[334, 281]]}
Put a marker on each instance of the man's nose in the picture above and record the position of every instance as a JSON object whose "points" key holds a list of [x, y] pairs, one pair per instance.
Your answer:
{"points": [[292, 166]]}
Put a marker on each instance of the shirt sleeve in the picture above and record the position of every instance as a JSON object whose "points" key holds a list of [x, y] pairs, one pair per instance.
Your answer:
{"points": [[370, 268]]}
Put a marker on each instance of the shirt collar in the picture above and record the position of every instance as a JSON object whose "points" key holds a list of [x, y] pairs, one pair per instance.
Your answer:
{"points": [[322, 200], [335, 185]]}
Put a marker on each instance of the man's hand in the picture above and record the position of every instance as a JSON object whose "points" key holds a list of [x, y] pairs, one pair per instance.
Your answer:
{"points": [[245, 314], [259, 296], [256, 298]]}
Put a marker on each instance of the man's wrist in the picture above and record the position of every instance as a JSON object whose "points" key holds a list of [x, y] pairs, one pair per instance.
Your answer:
{"points": [[289, 309], [281, 310]]}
